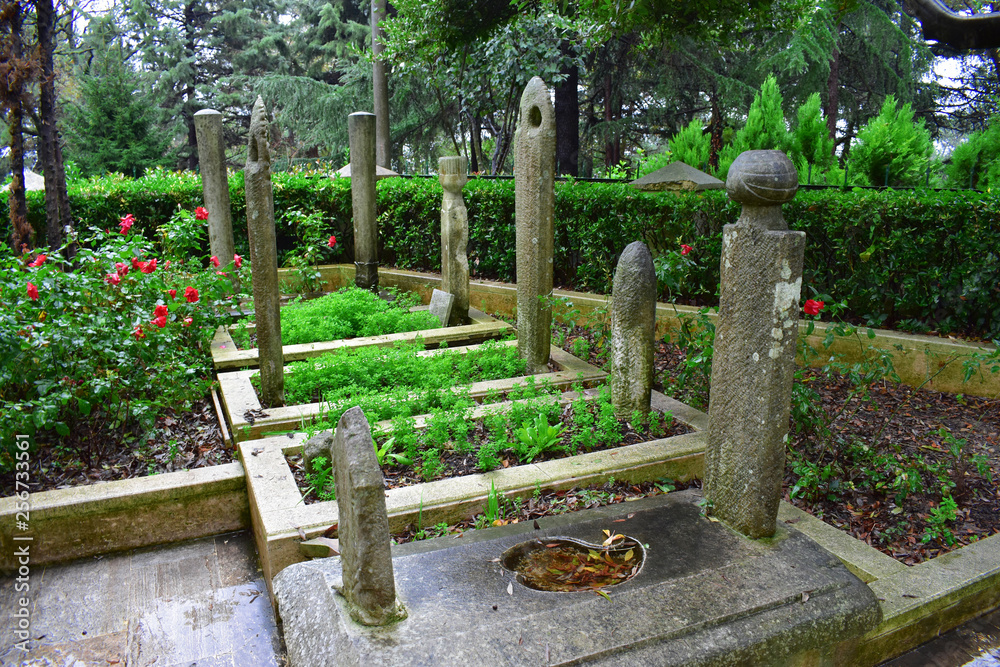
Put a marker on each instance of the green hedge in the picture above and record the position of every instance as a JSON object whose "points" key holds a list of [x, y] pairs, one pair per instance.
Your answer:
{"points": [[916, 260]]}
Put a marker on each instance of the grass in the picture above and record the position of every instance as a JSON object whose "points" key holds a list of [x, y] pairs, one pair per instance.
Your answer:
{"points": [[347, 313]]}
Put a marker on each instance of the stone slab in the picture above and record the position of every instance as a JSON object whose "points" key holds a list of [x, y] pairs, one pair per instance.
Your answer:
{"points": [[704, 595], [441, 305]]}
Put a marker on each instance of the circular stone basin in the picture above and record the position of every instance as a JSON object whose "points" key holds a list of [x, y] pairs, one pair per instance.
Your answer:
{"points": [[567, 564]]}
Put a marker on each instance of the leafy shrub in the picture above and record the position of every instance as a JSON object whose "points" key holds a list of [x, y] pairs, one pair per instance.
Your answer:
{"points": [[104, 347], [691, 145], [976, 162], [891, 148]]}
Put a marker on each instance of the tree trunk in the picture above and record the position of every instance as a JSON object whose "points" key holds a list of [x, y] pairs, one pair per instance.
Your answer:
{"points": [[189, 91], [476, 152], [57, 215], [833, 94], [568, 123], [715, 143], [612, 148], [17, 72], [380, 86]]}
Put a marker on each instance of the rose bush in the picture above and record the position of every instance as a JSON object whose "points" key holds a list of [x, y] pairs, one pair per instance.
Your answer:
{"points": [[98, 348]]}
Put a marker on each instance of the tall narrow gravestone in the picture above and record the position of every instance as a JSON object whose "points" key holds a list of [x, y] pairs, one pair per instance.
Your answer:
{"points": [[633, 330], [366, 560], [755, 337], [454, 236], [215, 183], [264, 258], [534, 211], [361, 135]]}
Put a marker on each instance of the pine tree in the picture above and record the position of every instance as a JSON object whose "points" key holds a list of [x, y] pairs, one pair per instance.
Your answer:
{"points": [[811, 144], [976, 162], [765, 128], [691, 145], [891, 148], [112, 130]]}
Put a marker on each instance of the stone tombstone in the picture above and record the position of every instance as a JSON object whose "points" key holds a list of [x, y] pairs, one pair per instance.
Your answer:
{"points": [[534, 212], [442, 306], [366, 560], [633, 330], [315, 447], [215, 183], [454, 236], [755, 338], [361, 135], [264, 258]]}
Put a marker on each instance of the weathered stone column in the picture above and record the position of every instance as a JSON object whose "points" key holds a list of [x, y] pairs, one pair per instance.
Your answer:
{"points": [[454, 236], [534, 211], [264, 258], [361, 135], [215, 183], [633, 330], [754, 360], [369, 585]]}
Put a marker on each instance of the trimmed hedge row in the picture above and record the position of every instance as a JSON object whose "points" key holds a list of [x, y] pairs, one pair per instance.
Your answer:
{"points": [[914, 260]]}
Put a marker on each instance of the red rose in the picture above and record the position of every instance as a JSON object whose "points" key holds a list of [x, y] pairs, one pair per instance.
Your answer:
{"points": [[238, 260], [332, 242], [121, 268], [685, 248], [32, 292], [813, 307], [200, 213], [215, 261], [38, 261], [136, 264], [166, 265], [160, 321], [191, 294], [187, 322], [138, 333], [172, 293], [126, 223], [112, 278], [160, 311], [149, 267]]}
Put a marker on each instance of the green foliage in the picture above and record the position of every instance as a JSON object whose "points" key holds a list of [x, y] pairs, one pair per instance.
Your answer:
{"points": [[946, 512], [811, 143], [111, 128], [917, 260], [349, 313], [184, 236], [691, 145], [85, 353], [891, 148], [765, 127], [320, 479], [976, 162], [536, 438]]}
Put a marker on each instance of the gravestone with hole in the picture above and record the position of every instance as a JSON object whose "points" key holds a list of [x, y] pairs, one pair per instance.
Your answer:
{"points": [[454, 236], [361, 135], [534, 211], [754, 359], [215, 183], [264, 258], [633, 330]]}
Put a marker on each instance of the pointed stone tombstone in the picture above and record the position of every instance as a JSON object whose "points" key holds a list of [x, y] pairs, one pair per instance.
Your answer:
{"points": [[368, 582], [633, 330], [215, 183], [534, 210], [264, 258], [441, 306], [361, 135], [454, 236], [755, 337]]}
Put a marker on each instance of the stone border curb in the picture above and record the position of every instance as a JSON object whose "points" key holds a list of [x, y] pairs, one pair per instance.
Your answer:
{"points": [[127, 514], [281, 518]]}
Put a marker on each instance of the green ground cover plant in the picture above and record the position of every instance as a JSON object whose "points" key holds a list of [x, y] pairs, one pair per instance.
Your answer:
{"points": [[346, 313], [93, 349]]}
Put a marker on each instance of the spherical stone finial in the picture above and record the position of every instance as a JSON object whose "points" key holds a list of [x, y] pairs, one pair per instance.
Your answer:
{"points": [[762, 178]]}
